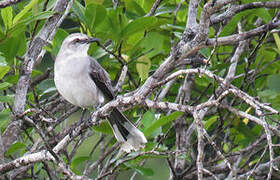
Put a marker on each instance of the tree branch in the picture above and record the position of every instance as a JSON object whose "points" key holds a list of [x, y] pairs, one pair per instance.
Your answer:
{"points": [[5, 3], [234, 9]]}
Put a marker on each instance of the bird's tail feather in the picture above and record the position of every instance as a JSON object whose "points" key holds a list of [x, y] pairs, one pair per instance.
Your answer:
{"points": [[125, 132]]}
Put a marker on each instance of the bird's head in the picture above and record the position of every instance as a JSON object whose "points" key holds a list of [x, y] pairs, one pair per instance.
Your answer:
{"points": [[77, 42]]}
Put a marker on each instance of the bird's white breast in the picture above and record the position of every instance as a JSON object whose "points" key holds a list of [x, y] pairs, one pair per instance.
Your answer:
{"points": [[73, 82]]}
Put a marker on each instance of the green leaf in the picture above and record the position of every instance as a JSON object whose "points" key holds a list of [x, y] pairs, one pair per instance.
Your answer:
{"points": [[2, 34], [210, 121], [160, 122], [7, 99], [138, 25], [175, 27], [144, 171], [31, 18], [38, 167], [148, 117], [24, 11], [232, 25], [103, 127], [58, 39], [10, 49], [274, 82], [226, 147], [133, 42], [7, 16], [87, 2], [94, 15], [263, 13], [134, 6], [46, 87], [268, 94], [112, 25], [5, 85], [246, 131], [165, 10], [158, 42], [16, 147], [141, 170], [254, 162], [79, 10], [39, 16], [4, 70], [277, 41], [77, 161], [4, 120], [4, 115], [143, 66]]}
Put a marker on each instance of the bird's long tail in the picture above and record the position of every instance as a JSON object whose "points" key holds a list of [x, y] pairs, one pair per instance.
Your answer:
{"points": [[125, 132]]}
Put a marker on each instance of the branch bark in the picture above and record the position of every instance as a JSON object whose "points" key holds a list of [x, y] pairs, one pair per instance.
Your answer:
{"points": [[5, 3]]}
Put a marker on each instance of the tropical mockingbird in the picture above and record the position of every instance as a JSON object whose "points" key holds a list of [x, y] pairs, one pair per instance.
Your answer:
{"points": [[82, 81]]}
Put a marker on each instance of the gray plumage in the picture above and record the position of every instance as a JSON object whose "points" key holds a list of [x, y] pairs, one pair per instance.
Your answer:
{"points": [[82, 81]]}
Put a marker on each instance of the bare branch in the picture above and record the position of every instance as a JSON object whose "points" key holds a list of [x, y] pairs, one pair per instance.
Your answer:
{"points": [[5, 3], [120, 83], [192, 14], [234, 9], [154, 8], [200, 145], [234, 39]]}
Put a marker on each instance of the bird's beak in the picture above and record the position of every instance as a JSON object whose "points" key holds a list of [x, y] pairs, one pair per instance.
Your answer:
{"points": [[91, 40]]}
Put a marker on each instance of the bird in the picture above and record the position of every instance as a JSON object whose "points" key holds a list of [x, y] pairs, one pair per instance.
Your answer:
{"points": [[83, 82]]}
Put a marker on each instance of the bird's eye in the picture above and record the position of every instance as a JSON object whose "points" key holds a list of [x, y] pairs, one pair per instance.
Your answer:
{"points": [[76, 40]]}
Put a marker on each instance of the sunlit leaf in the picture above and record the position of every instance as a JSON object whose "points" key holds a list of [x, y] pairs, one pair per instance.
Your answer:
{"points": [[277, 41], [147, 118], [138, 25], [112, 24], [141, 170], [7, 16], [38, 167], [24, 11], [7, 99], [16, 147], [11, 49], [4, 70], [263, 13], [4, 85], [164, 10], [87, 2], [77, 162], [232, 25], [134, 7], [4, 120], [160, 122], [273, 83], [226, 147], [79, 11], [155, 42], [103, 127], [94, 15], [31, 18], [58, 39], [143, 66], [210, 122]]}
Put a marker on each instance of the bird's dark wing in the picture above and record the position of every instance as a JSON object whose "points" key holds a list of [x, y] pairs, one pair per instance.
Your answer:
{"points": [[101, 79]]}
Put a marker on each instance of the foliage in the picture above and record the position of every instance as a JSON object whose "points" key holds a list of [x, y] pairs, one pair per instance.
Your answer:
{"points": [[143, 43]]}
